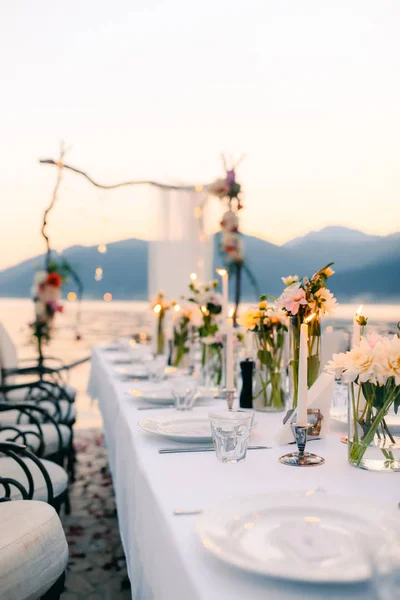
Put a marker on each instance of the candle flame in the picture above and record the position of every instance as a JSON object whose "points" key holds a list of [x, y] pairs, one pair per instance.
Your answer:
{"points": [[177, 307], [157, 308], [222, 272], [309, 318], [231, 313], [359, 310], [205, 310], [193, 276]]}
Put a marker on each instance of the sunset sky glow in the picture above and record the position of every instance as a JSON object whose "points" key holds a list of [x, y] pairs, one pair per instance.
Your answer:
{"points": [[309, 90]]}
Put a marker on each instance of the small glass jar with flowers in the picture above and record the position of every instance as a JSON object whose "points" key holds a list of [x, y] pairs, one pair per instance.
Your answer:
{"points": [[372, 371], [182, 318], [269, 326], [209, 301], [306, 298], [160, 307]]}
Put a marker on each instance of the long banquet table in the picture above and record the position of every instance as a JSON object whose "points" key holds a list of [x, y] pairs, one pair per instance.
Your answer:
{"points": [[165, 558]]}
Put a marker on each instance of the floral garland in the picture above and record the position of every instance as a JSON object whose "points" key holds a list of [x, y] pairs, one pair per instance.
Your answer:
{"points": [[231, 243], [46, 293]]}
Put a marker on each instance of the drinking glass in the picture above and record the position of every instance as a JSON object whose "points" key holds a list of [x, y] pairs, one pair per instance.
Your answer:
{"points": [[382, 554], [231, 433], [156, 368], [184, 393]]}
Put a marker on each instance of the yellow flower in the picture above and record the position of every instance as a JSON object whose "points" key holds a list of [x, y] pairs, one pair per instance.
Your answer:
{"points": [[249, 319], [329, 272], [263, 305]]}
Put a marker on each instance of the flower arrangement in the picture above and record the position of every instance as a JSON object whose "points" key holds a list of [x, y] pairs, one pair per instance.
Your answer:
{"points": [[46, 293], [227, 187], [160, 306], [209, 301], [372, 370], [231, 241], [269, 325], [308, 298]]}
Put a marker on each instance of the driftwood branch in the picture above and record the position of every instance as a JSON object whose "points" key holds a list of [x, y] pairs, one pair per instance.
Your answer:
{"points": [[49, 161], [52, 203]]}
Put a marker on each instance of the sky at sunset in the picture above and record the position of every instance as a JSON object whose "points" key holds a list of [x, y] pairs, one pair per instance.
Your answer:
{"points": [[151, 89]]}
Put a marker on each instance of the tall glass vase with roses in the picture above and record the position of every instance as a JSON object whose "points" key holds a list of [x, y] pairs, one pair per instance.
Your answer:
{"points": [[372, 371], [269, 326], [46, 293], [306, 298], [210, 303], [160, 307]]}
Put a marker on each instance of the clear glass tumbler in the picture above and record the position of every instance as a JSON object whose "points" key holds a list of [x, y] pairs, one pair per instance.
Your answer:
{"points": [[156, 368], [184, 392], [231, 433]]}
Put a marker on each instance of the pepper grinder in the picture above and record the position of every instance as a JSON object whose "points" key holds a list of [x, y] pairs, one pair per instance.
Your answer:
{"points": [[246, 394]]}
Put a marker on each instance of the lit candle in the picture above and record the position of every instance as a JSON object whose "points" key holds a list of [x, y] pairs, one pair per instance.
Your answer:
{"points": [[225, 292], [301, 417], [229, 354], [356, 337]]}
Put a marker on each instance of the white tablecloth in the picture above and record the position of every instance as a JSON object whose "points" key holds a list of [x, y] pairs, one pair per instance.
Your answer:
{"points": [[166, 560]]}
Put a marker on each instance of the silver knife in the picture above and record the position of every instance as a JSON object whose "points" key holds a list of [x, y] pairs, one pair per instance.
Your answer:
{"points": [[202, 449]]}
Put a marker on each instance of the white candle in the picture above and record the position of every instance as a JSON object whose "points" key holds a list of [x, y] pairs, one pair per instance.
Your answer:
{"points": [[301, 418], [229, 355], [356, 337], [225, 292]]}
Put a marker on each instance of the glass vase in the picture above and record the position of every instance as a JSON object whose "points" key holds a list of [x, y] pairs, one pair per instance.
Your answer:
{"points": [[270, 388], [314, 354], [212, 366], [372, 444], [160, 335], [180, 357]]}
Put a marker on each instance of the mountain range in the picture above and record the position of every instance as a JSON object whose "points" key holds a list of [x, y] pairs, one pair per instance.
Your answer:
{"points": [[367, 266]]}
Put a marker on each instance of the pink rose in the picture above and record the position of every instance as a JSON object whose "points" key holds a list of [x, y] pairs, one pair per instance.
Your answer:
{"points": [[292, 298]]}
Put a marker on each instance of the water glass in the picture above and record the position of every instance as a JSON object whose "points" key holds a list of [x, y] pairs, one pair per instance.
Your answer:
{"points": [[185, 394], [231, 433], [156, 368]]}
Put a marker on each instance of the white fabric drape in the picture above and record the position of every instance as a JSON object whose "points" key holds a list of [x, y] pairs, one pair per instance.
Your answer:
{"points": [[179, 244]]}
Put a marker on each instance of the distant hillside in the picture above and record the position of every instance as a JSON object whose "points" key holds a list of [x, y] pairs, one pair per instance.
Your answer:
{"points": [[366, 266], [348, 248]]}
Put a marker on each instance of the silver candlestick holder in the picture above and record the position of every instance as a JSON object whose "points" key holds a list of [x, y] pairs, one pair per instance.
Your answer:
{"points": [[229, 395], [301, 458]]}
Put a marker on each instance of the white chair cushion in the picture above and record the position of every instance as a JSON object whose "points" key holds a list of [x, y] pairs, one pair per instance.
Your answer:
{"points": [[66, 409], [50, 436], [8, 351], [68, 389], [33, 549], [59, 477]]}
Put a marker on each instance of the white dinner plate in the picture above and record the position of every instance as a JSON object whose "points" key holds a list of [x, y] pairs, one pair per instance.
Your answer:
{"points": [[305, 536], [179, 427], [162, 394]]}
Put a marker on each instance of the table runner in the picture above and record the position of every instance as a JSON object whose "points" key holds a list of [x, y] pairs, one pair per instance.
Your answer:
{"points": [[165, 558]]}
